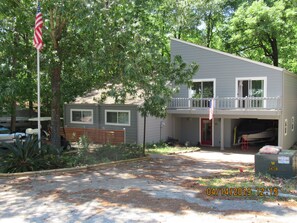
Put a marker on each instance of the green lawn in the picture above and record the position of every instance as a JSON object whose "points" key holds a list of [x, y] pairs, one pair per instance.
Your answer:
{"points": [[170, 150]]}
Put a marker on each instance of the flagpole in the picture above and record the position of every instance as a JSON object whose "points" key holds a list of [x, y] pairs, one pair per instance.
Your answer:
{"points": [[38, 100], [38, 43]]}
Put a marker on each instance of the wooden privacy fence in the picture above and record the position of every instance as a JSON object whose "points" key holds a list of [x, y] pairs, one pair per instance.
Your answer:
{"points": [[98, 136]]}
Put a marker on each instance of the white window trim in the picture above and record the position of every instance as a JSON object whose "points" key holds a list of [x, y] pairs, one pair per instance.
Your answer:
{"points": [[118, 124], [81, 110], [190, 92], [250, 79]]}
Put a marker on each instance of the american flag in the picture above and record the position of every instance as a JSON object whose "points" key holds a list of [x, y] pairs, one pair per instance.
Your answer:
{"points": [[38, 29]]}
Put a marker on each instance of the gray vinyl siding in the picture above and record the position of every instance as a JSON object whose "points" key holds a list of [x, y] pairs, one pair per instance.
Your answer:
{"points": [[153, 130], [289, 109], [131, 131], [189, 130], [67, 115], [225, 69]]}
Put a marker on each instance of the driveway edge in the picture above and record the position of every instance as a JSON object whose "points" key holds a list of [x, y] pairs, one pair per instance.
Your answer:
{"points": [[72, 169]]}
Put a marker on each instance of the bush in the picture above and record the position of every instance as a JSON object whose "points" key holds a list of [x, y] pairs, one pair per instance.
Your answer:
{"points": [[26, 156], [118, 152]]}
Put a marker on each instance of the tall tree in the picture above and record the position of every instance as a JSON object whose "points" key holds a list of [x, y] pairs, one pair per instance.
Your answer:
{"points": [[15, 49], [261, 31], [68, 45]]}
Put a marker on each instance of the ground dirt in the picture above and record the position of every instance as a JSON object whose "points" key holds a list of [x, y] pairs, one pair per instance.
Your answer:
{"points": [[160, 189]]}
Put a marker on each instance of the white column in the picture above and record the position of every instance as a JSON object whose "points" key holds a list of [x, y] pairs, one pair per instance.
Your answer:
{"points": [[212, 131], [280, 132], [222, 133]]}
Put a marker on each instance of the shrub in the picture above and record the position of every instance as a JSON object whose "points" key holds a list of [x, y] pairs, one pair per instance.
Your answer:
{"points": [[118, 152], [27, 156]]}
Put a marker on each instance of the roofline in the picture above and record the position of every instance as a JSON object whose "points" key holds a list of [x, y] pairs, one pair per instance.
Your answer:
{"points": [[229, 55], [103, 104]]}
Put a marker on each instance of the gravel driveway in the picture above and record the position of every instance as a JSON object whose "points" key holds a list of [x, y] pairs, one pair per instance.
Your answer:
{"points": [[143, 191]]}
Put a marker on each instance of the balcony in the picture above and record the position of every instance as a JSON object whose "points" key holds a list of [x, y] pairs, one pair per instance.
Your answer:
{"points": [[227, 105]]}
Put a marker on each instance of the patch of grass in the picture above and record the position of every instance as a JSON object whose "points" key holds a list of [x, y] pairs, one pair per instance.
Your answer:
{"points": [[164, 149]]}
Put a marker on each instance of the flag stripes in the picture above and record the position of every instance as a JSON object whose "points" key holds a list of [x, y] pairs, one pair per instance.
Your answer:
{"points": [[37, 42]]}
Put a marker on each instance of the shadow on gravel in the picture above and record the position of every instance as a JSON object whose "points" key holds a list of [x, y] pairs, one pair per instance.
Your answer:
{"points": [[129, 185]]}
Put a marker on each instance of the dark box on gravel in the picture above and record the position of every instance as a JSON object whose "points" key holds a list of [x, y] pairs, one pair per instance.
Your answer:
{"points": [[283, 164]]}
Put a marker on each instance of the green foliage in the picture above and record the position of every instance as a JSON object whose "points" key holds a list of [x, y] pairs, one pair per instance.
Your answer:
{"points": [[84, 142], [82, 156], [164, 149], [95, 44], [26, 156], [264, 31], [118, 152], [103, 154]]}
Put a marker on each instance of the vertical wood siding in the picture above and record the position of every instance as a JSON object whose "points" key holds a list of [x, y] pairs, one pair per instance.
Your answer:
{"points": [[97, 136]]}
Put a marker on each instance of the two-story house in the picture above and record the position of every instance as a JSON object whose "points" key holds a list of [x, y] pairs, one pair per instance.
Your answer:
{"points": [[250, 100], [245, 95]]}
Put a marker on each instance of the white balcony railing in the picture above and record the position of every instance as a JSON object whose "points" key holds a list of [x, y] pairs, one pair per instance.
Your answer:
{"points": [[227, 103]]}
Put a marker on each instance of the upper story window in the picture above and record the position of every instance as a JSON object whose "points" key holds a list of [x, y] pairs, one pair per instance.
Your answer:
{"points": [[117, 117], [81, 116], [251, 87], [203, 88]]}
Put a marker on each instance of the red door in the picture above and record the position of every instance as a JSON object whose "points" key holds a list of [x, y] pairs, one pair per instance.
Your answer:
{"points": [[206, 132]]}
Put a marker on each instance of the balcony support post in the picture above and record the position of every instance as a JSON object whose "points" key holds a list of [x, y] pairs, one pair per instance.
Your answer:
{"points": [[222, 133]]}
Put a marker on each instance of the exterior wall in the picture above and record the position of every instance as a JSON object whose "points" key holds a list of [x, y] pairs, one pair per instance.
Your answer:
{"points": [[153, 131], [289, 110], [131, 130], [67, 116], [225, 68], [177, 128], [189, 130], [99, 119]]}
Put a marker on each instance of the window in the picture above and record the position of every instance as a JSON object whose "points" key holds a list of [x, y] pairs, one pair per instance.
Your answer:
{"points": [[286, 127], [117, 117], [201, 91], [254, 87], [293, 124], [81, 116]]}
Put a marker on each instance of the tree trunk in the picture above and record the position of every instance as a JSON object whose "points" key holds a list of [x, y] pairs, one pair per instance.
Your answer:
{"points": [[273, 44], [55, 106], [13, 116], [57, 25], [209, 29], [31, 109], [13, 76]]}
